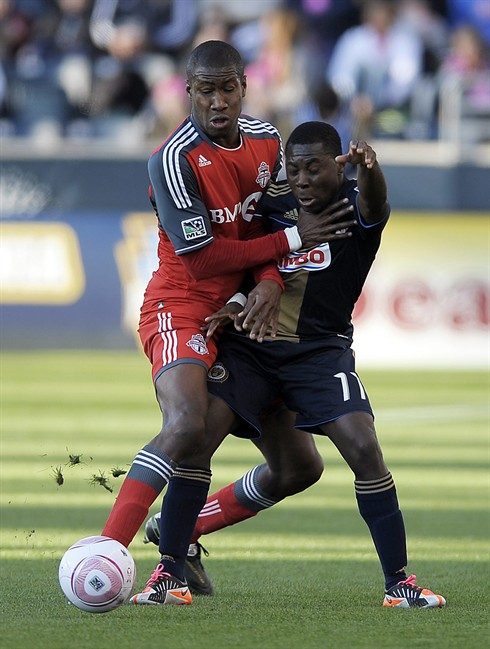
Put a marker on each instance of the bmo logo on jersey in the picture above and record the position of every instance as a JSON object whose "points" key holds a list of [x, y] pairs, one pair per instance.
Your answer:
{"points": [[316, 259], [246, 210]]}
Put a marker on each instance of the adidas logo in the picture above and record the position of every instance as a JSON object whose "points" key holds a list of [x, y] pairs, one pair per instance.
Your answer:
{"points": [[203, 162]]}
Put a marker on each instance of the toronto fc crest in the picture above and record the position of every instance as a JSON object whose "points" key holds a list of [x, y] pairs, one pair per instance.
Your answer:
{"points": [[198, 344], [264, 175]]}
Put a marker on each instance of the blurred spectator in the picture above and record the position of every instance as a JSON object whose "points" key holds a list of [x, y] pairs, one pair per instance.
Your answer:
{"points": [[241, 11], [324, 104], [170, 24], [120, 90], [173, 24], [324, 22], [138, 91], [465, 86], [73, 55], [431, 27], [374, 69], [214, 25], [275, 83], [168, 106], [468, 59], [471, 12], [52, 69], [433, 31], [15, 30]]}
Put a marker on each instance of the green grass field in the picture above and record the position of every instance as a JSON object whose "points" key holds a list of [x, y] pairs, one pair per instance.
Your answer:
{"points": [[302, 575]]}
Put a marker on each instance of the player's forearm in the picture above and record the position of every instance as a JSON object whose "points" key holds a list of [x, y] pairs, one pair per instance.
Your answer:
{"points": [[225, 256], [268, 271], [373, 192]]}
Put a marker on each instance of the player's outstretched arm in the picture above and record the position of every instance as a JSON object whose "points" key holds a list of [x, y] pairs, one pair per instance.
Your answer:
{"points": [[373, 192]]}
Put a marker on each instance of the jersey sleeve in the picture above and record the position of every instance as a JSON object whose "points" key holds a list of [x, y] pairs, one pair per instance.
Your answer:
{"points": [[367, 228], [225, 256], [178, 203]]}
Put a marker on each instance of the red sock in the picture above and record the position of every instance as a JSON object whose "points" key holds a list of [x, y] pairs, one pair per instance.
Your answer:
{"points": [[221, 510], [130, 511]]}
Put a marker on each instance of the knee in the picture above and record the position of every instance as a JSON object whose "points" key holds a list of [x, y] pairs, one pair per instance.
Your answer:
{"points": [[300, 475], [310, 474], [366, 458], [183, 434]]}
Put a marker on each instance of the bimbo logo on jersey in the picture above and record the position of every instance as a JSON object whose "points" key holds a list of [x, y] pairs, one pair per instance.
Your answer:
{"points": [[246, 210], [316, 259]]}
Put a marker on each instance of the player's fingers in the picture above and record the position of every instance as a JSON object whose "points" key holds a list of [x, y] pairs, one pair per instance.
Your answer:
{"points": [[261, 326], [210, 330]]}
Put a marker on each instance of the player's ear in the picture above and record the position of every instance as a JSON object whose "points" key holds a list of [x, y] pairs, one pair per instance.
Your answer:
{"points": [[188, 87], [244, 85]]}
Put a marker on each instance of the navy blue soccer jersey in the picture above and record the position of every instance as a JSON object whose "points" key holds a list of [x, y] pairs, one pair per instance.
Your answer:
{"points": [[323, 284]]}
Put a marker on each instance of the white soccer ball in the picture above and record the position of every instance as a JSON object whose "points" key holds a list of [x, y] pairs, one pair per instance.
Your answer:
{"points": [[97, 574]]}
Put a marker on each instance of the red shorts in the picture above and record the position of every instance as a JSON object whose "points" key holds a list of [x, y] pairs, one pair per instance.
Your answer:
{"points": [[173, 336]]}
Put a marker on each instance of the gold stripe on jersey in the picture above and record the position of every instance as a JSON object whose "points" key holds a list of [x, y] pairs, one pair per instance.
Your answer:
{"points": [[278, 189], [291, 303]]}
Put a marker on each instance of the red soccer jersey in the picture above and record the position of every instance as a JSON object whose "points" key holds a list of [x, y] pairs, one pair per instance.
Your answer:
{"points": [[203, 193]]}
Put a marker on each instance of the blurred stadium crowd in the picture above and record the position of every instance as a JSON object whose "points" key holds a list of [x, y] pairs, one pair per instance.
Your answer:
{"points": [[407, 69]]}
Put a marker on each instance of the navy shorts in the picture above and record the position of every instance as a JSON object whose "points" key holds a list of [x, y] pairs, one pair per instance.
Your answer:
{"points": [[315, 379]]}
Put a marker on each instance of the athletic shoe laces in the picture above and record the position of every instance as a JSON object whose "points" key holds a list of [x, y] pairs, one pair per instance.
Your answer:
{"points": [[157, 575]]}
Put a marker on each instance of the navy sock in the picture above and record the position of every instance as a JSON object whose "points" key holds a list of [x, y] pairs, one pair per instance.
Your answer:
{"points": [[186, 495], [378, 506]]}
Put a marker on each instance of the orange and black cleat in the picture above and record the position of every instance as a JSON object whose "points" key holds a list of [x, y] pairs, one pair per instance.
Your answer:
{"points": [[406, 594]]}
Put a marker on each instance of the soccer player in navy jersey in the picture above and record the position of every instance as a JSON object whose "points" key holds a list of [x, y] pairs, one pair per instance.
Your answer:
{"points": [[205, 182], [310, 365]]}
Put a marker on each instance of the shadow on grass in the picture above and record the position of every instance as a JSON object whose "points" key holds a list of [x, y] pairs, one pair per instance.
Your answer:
{"points": [[457, 523]]}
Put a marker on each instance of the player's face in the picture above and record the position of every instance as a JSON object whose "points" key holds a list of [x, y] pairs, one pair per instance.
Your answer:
{"points": [[216, 103], [314, 176]]}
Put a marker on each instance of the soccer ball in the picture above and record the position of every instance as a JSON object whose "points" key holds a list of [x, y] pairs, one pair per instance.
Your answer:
{"points": [[97, 574]]}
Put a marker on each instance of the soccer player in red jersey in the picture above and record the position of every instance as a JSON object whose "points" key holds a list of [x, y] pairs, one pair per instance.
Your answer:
{"points": [[205, 182]]}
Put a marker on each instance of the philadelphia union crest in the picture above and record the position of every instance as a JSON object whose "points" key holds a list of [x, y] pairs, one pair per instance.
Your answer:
{"points": [[264, 175], [198, 344], [218, 373]]}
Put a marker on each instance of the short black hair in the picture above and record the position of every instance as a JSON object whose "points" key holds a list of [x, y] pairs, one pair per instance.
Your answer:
{"points": [[214, 54], [317, 133]]}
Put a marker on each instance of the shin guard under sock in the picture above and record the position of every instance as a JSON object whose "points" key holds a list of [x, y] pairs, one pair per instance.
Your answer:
{"points": [[378, 506], [234, 503], [185, 497], [146, 479]]}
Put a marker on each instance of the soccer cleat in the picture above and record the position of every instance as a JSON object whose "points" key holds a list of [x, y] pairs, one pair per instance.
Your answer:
{"points": [[196, 577], [162, 588], [406, 594], [152, 529]]}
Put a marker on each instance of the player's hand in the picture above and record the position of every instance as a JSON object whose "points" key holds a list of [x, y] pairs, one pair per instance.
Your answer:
{"points": [[360, 153], [221, 318], [260, 315], [330, 225]]}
